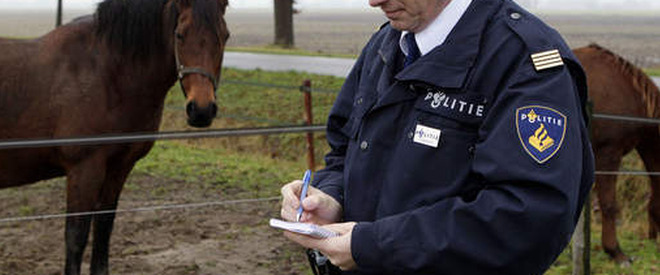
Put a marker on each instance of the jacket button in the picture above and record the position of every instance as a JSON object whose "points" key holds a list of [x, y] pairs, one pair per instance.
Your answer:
{"points": [[359, 101], [515, 16], [364, 145], [411, 134]]}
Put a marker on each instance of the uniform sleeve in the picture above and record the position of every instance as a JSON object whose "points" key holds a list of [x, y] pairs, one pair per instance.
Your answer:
{"points": [[522, 216], [331, 178]]}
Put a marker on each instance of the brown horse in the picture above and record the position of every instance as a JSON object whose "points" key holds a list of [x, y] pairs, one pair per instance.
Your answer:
{"points": [[617, 87], [106, 73]]}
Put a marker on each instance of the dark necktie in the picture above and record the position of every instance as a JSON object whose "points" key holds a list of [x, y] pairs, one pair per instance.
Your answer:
{"points": [[413, 50]]}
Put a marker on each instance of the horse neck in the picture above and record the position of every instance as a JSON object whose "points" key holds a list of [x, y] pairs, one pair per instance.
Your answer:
{"points": [[650, 93], [640, 82], [155, 74]]}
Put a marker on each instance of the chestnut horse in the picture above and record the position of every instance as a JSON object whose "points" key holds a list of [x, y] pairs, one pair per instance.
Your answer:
{"points": [[617, 87], [104, 73]]}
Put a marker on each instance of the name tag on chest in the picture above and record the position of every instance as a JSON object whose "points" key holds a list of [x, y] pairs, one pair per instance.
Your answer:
{"points": [[427, 136]]}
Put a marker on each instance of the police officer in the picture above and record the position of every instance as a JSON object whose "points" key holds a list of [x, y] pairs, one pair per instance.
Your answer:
{"points": [[458, 146]]}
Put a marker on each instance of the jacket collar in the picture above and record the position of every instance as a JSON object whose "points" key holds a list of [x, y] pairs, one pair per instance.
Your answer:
{"points": [[449, 64]]}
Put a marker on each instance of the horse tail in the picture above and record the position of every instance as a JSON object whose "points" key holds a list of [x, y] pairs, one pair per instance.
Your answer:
{"points": [[640, 81]]}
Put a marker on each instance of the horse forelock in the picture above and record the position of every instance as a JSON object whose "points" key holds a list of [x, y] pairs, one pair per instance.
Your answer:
{"points": [[135, 27], [640, 80], [208, 14], [132, 27]]}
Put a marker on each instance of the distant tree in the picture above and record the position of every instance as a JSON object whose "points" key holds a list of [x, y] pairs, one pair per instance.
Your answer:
{"points": [[284, 23], [58, 20]]}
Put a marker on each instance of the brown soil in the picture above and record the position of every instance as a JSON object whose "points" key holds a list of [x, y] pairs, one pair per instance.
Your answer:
{"points": [[226, 239]]}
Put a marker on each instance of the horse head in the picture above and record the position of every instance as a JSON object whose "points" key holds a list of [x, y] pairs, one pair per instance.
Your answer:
{"points": [[199, 40]]}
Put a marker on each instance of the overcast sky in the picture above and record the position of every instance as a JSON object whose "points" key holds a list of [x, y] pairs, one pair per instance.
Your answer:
{"points": [[355, 4]]}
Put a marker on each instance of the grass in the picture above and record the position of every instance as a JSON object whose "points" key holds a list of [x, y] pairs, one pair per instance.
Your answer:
{"points": [[257, 106], [644, 252], [272, 49], [258, 166], [246, 175], [653, 71]]}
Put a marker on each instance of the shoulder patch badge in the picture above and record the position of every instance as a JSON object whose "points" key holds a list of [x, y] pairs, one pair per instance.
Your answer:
{"points": [[541, 131], [546, 60]]}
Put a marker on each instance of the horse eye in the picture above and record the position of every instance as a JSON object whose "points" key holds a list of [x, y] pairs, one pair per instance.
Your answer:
{"points": [[179, 36]]}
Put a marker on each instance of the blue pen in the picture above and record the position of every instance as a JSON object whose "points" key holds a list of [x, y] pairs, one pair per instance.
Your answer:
{"points": [[303, 193]]}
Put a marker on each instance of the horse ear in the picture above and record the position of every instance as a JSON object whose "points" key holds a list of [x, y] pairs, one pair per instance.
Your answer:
{"points": [[181, 4], [223, 6]]}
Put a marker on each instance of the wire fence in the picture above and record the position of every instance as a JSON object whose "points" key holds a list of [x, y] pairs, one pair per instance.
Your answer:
{"points": [[139, 209], [279, 128], [142, 137]]}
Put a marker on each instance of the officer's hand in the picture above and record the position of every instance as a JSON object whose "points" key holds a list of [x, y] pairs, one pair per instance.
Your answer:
{"points": [[319, 207], [337, 249]]}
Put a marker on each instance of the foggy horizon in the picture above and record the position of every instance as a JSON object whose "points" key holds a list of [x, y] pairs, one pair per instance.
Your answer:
{"points": [[537, 5]]}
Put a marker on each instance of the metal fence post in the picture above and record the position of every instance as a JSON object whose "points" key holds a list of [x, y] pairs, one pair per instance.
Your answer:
{"points": [[582, 237], [306, 89]]}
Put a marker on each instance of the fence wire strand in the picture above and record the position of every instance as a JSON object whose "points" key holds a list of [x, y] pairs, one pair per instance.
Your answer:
{"points": [[627, 173], [132, 210], [627, 118], [142, 137], [278, 86]]}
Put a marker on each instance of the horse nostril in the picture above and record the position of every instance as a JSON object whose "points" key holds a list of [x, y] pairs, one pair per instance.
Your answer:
{"points": [[214, 110], [191, 108]]}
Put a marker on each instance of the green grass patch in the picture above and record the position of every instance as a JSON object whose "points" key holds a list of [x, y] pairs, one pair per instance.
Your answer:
{"points": [[643, 251], [653, 71], [272, 49], [258, 105], [247, 165], [245, 174]]}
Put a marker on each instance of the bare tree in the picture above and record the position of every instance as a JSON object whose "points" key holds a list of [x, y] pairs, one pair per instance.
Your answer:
{"points": [[58, 20], [284, 23]]}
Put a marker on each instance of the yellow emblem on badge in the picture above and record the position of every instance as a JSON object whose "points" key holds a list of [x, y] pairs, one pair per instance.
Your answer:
{"points": [[540, 140]]}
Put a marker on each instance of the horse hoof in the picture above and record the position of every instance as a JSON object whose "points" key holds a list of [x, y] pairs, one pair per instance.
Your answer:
{"points": [[624, 261]]}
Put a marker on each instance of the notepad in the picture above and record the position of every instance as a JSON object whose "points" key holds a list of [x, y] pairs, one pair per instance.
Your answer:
{"points": [[304, 228]]}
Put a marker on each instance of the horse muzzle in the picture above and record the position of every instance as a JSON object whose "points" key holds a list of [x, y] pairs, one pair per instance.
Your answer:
{"points": [[201, 117]]}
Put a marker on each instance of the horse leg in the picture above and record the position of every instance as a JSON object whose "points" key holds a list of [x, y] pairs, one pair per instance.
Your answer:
{"points": [[84, 182], [648, 150], [609, 160], [103, 223]]}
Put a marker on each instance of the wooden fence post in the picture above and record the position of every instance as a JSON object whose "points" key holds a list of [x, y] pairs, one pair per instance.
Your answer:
{"points": [[306, 89]]}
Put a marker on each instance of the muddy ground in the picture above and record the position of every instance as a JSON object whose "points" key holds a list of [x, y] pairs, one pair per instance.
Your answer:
{"points": [[222, 239]]}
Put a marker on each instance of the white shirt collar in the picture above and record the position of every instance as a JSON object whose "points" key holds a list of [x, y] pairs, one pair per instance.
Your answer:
{"points": [[436, 33]]}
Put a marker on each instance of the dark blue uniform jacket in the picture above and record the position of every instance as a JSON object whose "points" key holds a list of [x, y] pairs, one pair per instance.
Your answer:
{"points": [[469, 161]]}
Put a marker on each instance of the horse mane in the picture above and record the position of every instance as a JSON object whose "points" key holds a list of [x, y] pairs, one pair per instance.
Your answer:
{"points": [[641, 82], [135, 27]]}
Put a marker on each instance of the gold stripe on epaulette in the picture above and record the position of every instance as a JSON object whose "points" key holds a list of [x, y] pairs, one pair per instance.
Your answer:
{"points": [[547, 60]]}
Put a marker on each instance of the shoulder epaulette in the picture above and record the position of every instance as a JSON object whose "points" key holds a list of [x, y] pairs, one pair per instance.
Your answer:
{"points": [[543, 43]]}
